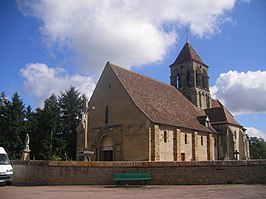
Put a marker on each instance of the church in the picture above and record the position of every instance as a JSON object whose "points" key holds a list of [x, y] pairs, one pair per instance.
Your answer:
{"points": [[131, 117]]}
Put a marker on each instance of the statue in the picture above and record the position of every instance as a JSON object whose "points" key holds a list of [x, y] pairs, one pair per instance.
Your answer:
{"points": [[27, 142], [26, 151]]}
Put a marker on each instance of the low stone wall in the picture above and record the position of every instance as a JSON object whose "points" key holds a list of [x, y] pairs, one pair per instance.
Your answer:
{"points": [[163, 173]]}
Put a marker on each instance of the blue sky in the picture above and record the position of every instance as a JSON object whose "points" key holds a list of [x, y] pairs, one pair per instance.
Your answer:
{"points": [[47, 46]]}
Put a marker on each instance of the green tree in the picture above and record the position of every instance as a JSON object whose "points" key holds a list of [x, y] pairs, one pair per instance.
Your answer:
{"points": [[257, 148], [71, 105], [38, 135], [52, 129], [30, 125], [52, 117], [12, 125], [48, 143], [4, 119]]}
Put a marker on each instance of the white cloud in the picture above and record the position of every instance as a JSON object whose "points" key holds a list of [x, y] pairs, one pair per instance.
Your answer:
{"points": [[126, 32], [41, 81], [253, 132], [242, 92]]}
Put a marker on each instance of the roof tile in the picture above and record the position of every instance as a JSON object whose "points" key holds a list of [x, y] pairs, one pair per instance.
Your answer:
{"points": [[160, 102], [187, 54], [218, 114]]}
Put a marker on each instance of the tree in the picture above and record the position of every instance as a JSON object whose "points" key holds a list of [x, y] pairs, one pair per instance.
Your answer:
{"points": [[31, 127], [257, 148], [4, 118], [71, 105], [52, 129], [52, 117], [38, 136], [48, 143], [12, 125]]}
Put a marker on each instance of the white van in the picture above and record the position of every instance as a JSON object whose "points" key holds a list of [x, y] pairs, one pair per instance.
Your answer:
{"points": [[6, 170]]}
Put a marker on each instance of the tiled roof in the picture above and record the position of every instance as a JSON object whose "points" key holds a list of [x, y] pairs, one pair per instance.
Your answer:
{"points": [[218, 114], [187, 54], [215, 103], [160, 102]]}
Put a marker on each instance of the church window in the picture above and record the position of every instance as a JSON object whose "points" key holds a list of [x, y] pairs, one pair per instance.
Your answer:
{"points": [[106, 118], [205, 79], [185, 138], [199, 79], [188, 79], [203, 82], [165, 136], [201, 140]]}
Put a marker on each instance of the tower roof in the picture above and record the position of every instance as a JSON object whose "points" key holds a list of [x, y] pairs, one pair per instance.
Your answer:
{"points": [[188, 53]]}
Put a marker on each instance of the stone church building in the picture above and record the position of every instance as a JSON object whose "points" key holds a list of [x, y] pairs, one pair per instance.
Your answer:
{"points": [[131, 117]]}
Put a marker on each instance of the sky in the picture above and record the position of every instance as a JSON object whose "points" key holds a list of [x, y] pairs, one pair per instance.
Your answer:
{"points": [[46, 46]]}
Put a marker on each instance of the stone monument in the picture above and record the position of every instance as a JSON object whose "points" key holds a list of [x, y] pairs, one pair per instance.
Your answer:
{"points": [[26, 150]]}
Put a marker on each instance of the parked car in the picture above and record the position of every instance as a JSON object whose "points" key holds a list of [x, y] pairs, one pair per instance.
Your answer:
{"points": [[6, 169]]}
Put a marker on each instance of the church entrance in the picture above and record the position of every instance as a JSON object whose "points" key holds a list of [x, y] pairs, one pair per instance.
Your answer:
{"points": [[108, 155], [107, 149]]}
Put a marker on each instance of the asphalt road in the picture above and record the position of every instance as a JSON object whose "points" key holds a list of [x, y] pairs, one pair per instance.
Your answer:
{"points": [[136, 192]]}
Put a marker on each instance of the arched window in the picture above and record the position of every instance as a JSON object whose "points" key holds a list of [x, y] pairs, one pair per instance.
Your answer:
{"points": [[201, 140], [185, 138], [203, 82], [165, 136], [198, 76]]}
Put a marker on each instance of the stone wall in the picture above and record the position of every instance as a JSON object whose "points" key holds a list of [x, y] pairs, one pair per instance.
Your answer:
{"points": [[163, 173]]}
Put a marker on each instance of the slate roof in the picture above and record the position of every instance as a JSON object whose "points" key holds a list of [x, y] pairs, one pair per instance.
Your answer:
{"points": [[160, 102], [218, 114], [188, 54]]}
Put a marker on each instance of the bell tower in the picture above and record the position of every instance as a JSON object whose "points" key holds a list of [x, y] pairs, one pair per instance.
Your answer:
{"points": [[190, 75]]}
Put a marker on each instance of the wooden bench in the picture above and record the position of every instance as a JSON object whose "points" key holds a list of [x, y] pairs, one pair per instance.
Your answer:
{"points": [[132, 177]]}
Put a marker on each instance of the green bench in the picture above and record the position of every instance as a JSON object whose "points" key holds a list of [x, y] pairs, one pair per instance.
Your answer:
{"points": [[132, 177]]}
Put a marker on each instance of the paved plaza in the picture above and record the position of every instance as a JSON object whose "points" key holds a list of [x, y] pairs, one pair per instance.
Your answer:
{"points": [[136, 192]]}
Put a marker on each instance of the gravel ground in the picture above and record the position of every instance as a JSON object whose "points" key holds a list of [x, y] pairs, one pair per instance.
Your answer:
{"points": [[128, 192]]}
